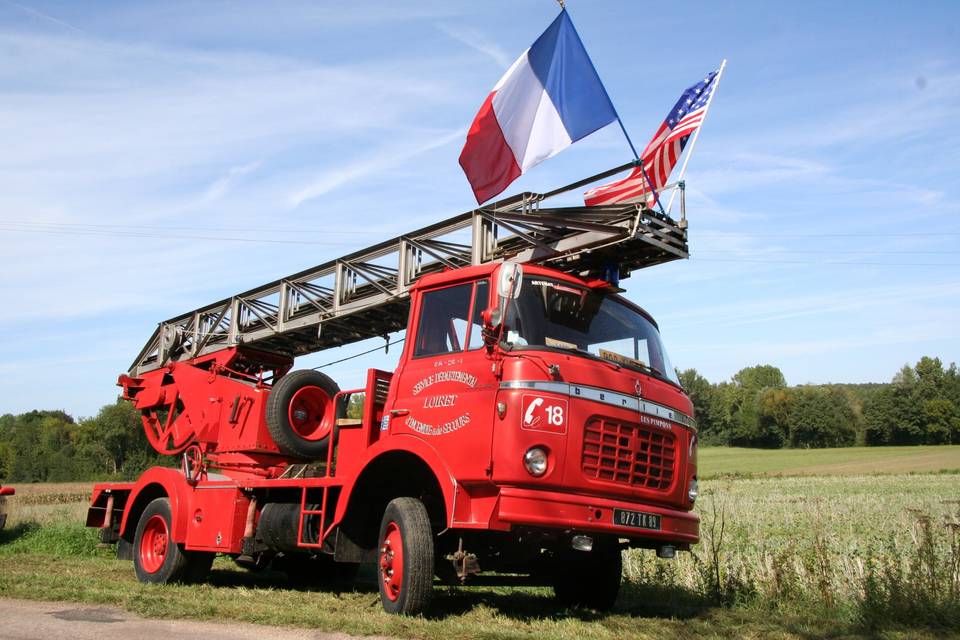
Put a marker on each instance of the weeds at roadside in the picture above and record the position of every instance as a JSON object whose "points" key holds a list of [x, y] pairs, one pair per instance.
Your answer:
{"points": [[55, 539], [917, 585], [906, 581]]}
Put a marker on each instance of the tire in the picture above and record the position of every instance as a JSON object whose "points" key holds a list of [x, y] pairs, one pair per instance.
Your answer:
{"points": [[317, 571], [405, 558], [157, 559], [301, 413], [588, 579]]}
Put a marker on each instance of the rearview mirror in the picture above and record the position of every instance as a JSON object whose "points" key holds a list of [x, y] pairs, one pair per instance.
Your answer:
{"points": [[491, 326], [491, 317]]}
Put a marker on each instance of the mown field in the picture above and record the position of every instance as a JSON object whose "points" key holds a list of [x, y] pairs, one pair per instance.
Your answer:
{"points": [[831, 545], [718, 462]]}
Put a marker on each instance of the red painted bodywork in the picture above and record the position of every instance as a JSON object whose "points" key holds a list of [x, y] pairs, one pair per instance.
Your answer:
{"points": [[442, 410], [7, 491]]}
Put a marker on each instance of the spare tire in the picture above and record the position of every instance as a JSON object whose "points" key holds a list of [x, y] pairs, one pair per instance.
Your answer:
{"points": [[301, 413]]}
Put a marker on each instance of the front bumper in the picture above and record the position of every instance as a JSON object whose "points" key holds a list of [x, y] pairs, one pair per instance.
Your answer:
{"points": [[570, 511]]}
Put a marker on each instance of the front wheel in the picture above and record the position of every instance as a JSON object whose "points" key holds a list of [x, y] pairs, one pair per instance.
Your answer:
{"points": [[157, 558], [405, 557], [588, 579]]}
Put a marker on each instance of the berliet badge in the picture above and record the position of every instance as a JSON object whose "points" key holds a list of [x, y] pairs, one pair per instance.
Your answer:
{"points": [[638, 388]]}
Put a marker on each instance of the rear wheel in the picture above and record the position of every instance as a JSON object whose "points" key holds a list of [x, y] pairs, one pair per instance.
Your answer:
{"points": [[588, 579], [405, 557], [156, 557], [301, 413]]}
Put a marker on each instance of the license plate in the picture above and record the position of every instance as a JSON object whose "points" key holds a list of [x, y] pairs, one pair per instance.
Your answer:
{"points": [[636, 519]]}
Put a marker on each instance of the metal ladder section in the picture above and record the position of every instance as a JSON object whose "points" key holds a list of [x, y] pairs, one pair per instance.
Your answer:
{"points": [[305, 513], [366, 294]]}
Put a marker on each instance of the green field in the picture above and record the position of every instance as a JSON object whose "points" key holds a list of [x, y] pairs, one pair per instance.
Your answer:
{"points": [[843, 554], [729, 461]]}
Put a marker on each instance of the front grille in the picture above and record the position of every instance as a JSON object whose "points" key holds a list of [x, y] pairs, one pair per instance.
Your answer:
{"points": [[628, 454]]}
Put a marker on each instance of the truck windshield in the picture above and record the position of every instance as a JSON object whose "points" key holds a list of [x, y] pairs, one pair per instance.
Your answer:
{"points": [[553, 314]]}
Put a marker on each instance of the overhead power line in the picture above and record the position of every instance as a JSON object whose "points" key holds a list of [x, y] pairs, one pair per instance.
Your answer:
{"points": [[829, 263], [821, 235], [838, 251], [132, 231], [146, 228], [141, 227]]}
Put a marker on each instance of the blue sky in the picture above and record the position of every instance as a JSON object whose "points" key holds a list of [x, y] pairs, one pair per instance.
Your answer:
{"points": [[159, 157]]}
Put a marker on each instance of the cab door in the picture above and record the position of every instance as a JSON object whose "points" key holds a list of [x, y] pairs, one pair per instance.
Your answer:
{"points": [[446, 388]]}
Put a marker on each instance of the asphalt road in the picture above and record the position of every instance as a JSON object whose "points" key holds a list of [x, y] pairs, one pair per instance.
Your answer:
{"points": [[27, 620]]}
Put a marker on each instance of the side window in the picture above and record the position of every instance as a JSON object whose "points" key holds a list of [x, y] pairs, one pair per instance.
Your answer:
{"points": [[443, 320], [480, 302]]}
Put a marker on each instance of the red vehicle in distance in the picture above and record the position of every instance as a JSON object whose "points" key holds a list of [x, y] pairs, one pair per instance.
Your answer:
{"points": [[534, 424], [4, 493]]}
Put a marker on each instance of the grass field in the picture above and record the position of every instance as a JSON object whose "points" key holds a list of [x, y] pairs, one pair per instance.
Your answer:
{"points": [[729, 461], [838, 554]]}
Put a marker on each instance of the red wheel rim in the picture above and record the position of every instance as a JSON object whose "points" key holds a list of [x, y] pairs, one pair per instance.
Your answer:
{"points": [[153, 544], [391, 561], [306, 413]]}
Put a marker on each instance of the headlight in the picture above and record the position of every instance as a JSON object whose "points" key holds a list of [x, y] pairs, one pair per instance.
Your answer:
{"points": [[692, 452], [535, 460], [692, 491]]}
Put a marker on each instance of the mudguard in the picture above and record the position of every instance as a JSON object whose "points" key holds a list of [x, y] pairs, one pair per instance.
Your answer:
{"points": [[405, 444], [174, 486]]}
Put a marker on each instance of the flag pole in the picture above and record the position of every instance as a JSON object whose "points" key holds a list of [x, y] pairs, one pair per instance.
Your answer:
{"points": [[696, 134], [626, 135]]}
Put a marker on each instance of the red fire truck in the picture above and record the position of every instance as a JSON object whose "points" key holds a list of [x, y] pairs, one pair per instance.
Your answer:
{"points": [[534, 425], [4, 492]]}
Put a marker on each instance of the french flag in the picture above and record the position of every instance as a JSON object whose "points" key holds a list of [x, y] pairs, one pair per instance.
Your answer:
{"points": [[550, 98]]}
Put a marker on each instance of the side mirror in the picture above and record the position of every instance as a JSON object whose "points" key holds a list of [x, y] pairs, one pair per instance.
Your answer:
{"points": [[509, 280]]}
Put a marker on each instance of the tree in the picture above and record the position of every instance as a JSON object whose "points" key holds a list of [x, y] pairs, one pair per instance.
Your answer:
{"points": [[820, 416], [888, 419], [114, 441], [941, 419], [706, 406], [747, 427], [761, 376], [41, 445], [920, 406], [773, 412], [7, 454]]}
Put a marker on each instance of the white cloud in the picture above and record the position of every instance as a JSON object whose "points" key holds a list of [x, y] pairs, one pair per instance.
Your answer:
{"points": [[219, 187], [136, 137], [384, 159], [478, 41], [745, 171], [772, 309], [43, 17], [107, 110]]}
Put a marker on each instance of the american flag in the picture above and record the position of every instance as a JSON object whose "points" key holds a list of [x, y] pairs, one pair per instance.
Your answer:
{"points": [[660, 156]]}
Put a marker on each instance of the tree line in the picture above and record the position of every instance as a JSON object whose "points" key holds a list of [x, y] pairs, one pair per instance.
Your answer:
{"points": [[50, 446], [756, 408]]}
